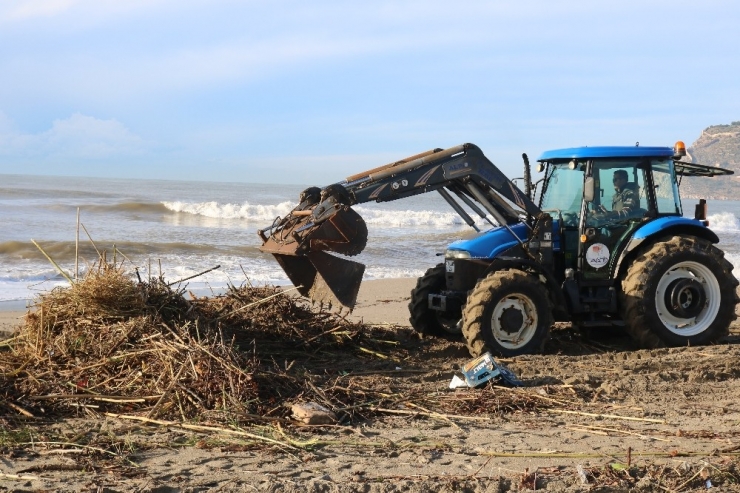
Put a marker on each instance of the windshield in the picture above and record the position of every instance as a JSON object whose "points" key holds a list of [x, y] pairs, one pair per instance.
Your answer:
{"points": [[564, 190]]}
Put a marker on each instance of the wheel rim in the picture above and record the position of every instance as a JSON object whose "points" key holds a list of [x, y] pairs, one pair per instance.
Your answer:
{"points": [[514, 321], [691, 325]]}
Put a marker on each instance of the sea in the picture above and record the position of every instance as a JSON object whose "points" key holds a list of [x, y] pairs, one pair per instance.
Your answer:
{"points": [[202, 236]]}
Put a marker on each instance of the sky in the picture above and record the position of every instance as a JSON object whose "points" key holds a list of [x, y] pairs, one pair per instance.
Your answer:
{"points": [[308, 93]]}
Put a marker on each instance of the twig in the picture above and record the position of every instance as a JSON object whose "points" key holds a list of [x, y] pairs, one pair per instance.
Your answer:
{"points": [[19, 409], [481, 467], [155, 408], [258, 302], [324, 333], [194, 275], [431, 415], [587, 429], [17, 371], [297, 443], [679, 488], [91, 240], [96, 397], [379, 355], [610, 416], [66, 276], [529, 394], [199, 428], [76, 446], [616, 430], [77, 245], [9, 341], [24, 477]]}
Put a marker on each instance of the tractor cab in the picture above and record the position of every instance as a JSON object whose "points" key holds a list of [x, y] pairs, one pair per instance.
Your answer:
{"points": [[599, 196]]}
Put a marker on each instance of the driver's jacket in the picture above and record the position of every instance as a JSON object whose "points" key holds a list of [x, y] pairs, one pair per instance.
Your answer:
{"points": [[625, 201]]}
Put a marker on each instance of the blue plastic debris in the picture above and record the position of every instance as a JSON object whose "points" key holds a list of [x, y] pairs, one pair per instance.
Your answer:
{"points": [[484, 368]]}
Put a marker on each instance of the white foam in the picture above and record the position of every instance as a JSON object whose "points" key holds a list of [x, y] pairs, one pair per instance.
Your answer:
{"points": [[250, 212], [395, 218], [725, 222], [734, 259], [407, 218]]}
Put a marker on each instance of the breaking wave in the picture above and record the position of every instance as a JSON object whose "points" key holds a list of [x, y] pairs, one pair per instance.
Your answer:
{"points": [[408, 218], [250, 212], [267, 213], [724, 222]]}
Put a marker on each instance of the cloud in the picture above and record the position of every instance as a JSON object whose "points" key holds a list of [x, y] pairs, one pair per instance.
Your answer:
{"points": [[77, 137], [111, 50]]}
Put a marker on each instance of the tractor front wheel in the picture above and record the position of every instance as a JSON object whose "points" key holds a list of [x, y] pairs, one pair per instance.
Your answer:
{"points": [[508, 313], [423, 319], [679, 292]]}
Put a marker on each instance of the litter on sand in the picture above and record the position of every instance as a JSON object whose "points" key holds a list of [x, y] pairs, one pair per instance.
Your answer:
{"points": [[482, 369]]}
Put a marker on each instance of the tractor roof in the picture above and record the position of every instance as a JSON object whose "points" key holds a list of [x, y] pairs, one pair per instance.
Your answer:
{"points": [[682, 168], [605, 152]]}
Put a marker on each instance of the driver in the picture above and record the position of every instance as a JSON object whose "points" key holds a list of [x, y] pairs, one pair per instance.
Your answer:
{"points": [[625, 200]]}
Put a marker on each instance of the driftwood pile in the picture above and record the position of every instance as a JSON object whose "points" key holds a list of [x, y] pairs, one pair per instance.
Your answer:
{"points": [[110, 343]]}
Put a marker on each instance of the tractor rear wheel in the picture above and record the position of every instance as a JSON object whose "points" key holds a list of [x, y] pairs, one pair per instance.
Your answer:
{"points": [[679, 292], [423, 319], [508, 313]]}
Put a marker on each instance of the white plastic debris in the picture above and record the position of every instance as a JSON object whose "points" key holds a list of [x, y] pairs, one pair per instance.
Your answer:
{"points": [[457, 382], [582, 474]]}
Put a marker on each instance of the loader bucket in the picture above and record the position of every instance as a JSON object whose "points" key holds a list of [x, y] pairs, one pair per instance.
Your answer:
{"points": [[324, 278], [342, 230]]}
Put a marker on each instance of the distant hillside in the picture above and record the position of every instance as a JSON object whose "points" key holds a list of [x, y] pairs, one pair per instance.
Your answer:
{"points": [[718, 145]]}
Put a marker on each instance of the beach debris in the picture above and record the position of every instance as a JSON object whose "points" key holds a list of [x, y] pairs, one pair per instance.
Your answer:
{"points": [[480, 370], [312, 413], [457, 382]]}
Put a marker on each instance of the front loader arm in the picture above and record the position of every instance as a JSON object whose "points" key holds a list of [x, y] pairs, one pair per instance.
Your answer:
{"points": [[324, 221], [462, 169]]}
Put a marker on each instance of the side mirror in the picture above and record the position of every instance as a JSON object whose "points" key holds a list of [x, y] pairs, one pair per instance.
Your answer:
{"points": [[540, 167], [588, 189]]}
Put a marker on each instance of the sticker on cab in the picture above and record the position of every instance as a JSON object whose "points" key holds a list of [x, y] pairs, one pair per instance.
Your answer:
{"points": [[597, 255]]}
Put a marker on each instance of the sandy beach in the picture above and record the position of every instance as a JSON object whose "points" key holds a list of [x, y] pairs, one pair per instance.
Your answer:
{"points": [[591, 413], [9, 320]]}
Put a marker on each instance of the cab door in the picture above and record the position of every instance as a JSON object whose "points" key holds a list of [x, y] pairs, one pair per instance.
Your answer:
{"points": [[613, 209]]}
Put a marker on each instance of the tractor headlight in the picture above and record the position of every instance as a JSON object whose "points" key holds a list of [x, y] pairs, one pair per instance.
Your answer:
{"points": [[457, 254]]}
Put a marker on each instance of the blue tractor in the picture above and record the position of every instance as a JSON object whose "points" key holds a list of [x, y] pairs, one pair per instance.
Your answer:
{"points": [[599, 241]]}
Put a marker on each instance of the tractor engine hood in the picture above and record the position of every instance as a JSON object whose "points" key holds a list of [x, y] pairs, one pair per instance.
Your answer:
{"points": [[492, 243]]}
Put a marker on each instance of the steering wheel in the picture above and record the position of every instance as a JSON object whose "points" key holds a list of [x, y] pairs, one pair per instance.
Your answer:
{"points": [[570, 219]]}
